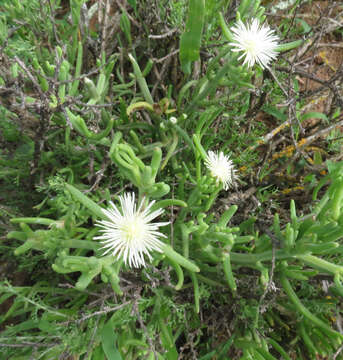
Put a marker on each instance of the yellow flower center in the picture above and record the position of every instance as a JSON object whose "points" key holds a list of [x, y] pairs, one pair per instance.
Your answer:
{"points": [[134, 228], [250, 46]]}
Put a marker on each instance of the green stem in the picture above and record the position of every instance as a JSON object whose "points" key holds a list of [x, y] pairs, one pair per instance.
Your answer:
{"points": [[303, 310], [307, 340], [210, 86], [198, 168], [199, 147], [212, 198], [164, 330], [139, 106], [172, 254], [78, 67], [141, 80], [278, 348], [102, 134], [290, 45], [88, 203], [228, 274], [195, 282], [33, 220], [168, 202], [185, 240], [28, 244], [183, 134], [225, 29], [321, 264], [250, 259], [183, 92], [193, 198], [171, 150], [211, 282], [265, 354], [179, 273], [36, 304], [80, 244], [227, 215]]}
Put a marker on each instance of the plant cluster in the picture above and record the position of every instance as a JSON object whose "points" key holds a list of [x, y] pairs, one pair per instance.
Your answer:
{"points": [[136, 253]]}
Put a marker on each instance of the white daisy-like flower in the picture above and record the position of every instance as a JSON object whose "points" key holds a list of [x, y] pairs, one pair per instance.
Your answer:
{"points": [[258, 43], [128, 233], [221, 168]]}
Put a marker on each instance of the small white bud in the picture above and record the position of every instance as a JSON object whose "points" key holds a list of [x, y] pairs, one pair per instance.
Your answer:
{"points": [[173, 120]]}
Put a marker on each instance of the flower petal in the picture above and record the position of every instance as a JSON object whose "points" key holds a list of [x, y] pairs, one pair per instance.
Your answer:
{"points": [[257, 42], [128, 232]]}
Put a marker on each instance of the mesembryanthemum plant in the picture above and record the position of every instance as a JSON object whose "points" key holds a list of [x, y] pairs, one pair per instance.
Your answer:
{"points": [[221, 168], [257, 42], [129, 233]]}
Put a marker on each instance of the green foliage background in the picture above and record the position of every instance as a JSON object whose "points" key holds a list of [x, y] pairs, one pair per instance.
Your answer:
{"points": [[88, 111]]}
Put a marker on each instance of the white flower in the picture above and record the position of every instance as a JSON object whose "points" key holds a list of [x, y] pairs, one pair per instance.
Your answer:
{"points": [[221, 168], [258, 43], [128, 233]]}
